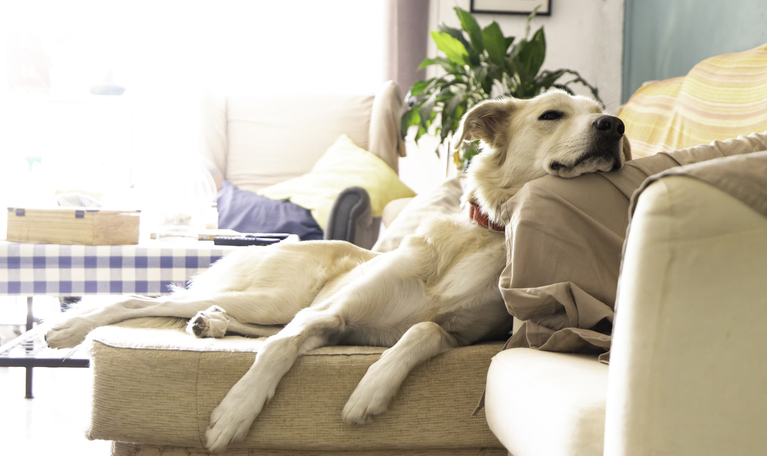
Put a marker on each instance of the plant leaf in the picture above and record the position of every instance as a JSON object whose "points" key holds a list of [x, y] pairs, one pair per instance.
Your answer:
{"points": [[446, 64], [547, 78], [458, 35], [428, 62], [405, 122], [425, 111], [508, 40], [421, 132], [420, 86], [495, 43], [469, 24], [527, 59], [537, 52], [453, 49], [449, 119]]}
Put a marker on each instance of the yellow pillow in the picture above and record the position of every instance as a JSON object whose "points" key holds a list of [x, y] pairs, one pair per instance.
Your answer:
{"points": [[342, 165]]}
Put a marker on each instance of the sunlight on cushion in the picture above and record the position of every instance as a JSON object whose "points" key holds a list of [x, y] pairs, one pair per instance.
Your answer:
{"points": [[343, 165]]}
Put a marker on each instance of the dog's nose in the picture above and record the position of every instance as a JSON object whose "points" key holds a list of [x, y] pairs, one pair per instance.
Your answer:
{"points": [[610, 126]]}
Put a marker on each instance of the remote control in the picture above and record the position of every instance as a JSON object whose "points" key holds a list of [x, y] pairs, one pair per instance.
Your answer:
{"points": [[250, 239]]}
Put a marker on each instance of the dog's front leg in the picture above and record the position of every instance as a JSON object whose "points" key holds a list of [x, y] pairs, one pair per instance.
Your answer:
{"points": [[382, 380], [231, 420]]}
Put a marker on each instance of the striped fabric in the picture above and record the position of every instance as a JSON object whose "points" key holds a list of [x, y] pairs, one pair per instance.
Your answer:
{"points": [[720, 98]]}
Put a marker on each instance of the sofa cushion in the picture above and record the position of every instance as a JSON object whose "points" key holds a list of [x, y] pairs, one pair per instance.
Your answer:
{"points": [[343, 165], [543, 403], [271, 138], [159, 386]]}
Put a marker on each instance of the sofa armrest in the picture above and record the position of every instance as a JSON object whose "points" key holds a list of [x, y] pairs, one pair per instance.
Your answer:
{"points": [[351, 218], [386, 139], [687, 374]]}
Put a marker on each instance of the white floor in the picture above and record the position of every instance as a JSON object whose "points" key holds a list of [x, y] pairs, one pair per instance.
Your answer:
{"points": [[54, 422]]}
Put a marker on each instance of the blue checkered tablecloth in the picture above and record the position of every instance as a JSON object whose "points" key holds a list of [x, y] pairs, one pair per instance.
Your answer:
{"points": [[76, 270]]}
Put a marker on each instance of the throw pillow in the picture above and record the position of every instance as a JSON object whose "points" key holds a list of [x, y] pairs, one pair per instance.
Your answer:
{"points": [[343, 165], [246, 212]]}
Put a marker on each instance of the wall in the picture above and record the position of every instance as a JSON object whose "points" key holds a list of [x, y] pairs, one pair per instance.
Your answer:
{"points": [[665, 39], [582, 35]]}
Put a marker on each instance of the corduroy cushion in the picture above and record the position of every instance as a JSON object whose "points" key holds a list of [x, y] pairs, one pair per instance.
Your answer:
{"points": [[159, 386], [721, 97]]}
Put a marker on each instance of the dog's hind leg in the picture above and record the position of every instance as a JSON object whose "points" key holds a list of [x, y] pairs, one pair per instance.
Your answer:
{"points": [[216, 322], [261, 306], [382, 380], [231, 420]]}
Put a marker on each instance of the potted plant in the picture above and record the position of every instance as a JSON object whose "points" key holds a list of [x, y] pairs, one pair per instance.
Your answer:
{"points": [[479, 63]]}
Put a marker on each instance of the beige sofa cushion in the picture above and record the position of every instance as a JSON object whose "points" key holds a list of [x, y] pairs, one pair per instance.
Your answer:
{"points": [[542, 403], [260, 140], [159, 386]]}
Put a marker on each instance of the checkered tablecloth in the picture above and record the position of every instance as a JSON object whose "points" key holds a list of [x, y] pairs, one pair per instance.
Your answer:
{"points": [[76, 270]]}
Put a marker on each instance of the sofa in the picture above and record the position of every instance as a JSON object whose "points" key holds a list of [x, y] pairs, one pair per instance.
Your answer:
{"points": [[682, 362], [154, 388], [672, 362]]}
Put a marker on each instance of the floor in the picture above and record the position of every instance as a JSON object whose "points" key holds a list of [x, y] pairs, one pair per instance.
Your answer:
{"points": [[55, 421]]}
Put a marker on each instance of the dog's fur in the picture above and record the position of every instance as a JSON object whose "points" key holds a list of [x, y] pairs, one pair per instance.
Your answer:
{"points": [[437, 291]]}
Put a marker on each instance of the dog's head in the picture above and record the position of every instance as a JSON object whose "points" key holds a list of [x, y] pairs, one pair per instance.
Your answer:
{"points": [[553, 133]]}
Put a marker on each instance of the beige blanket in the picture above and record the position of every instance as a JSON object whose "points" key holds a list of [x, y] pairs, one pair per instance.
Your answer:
{"points": [[564, 239]]}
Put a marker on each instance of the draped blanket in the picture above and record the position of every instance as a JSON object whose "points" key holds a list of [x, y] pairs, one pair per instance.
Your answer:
{"points": [[564, 239]]}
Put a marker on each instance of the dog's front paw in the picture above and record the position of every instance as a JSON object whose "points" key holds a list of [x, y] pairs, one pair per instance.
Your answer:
{"points": [[231, 420], [69, 333], [367, 401], [227, 427], [212, 322]]}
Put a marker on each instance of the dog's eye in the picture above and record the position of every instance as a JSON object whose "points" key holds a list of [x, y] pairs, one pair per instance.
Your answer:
{"points": [[551, 115]]}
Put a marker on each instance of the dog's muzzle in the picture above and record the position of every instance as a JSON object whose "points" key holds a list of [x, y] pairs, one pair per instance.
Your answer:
{"points": [[609, 131]]}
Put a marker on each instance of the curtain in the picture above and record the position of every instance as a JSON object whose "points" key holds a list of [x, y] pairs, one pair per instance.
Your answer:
{"points": [[406, 38]]}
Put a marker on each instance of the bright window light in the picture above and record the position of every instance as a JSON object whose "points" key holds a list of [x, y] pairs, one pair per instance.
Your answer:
{"points": [[61, 130]]}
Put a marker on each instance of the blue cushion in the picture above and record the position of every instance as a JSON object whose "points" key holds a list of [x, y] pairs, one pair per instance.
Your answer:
{"points": [[246, 212]]}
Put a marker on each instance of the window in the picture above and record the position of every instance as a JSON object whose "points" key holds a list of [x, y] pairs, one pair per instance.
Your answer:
{"points": [[92, 92]]}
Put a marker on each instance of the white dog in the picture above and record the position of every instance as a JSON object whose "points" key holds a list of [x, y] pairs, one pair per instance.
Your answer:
{"points": [[437, 291]]}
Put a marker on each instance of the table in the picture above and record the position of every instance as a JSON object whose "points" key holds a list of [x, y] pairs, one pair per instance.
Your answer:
{"points": [[149, 268]]}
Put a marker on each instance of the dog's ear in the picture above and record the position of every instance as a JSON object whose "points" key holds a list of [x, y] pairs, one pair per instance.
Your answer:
{"points": [[487, 121], [626, 148]]}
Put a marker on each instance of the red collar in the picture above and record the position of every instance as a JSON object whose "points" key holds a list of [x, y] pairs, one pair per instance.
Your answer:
{"points": [[476, 214]]}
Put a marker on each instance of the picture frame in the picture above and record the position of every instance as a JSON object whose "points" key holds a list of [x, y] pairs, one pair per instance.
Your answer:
{"points": [[524, 7]]}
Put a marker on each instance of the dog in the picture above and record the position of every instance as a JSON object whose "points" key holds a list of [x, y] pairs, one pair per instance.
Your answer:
{"points": [[436, 291]]}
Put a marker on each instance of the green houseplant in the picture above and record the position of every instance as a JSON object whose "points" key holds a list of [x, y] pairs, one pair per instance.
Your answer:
{"points": [[479, 63]]}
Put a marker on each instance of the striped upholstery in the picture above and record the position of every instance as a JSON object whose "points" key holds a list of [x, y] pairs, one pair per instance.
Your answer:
{"points": [[720, 98]]}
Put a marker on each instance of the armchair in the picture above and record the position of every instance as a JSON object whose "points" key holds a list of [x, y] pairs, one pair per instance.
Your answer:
{"points": [[257, 141]]}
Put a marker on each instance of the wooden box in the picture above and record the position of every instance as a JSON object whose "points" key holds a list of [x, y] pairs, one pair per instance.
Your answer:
{"points": [[73, 226]]}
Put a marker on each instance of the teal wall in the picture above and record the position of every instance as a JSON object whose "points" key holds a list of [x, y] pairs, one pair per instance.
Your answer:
{"points": [[666, 38]]}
